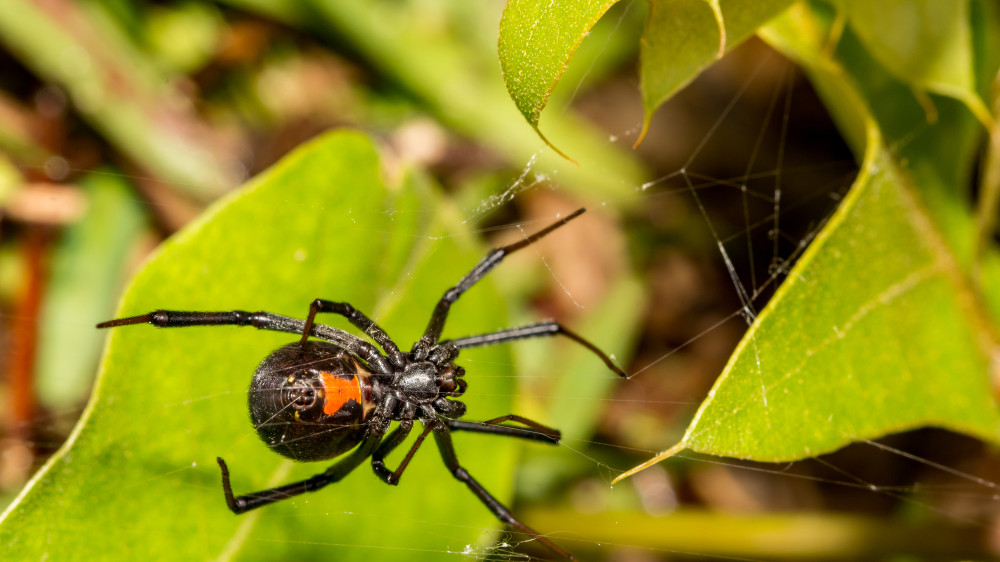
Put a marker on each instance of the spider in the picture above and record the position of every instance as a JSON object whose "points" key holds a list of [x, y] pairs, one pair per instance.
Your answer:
{"points": [[315, 400]]}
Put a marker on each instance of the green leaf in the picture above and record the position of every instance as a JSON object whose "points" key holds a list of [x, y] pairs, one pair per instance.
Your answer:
{"points": [[537, 39], [138, 477], [877, 328], [869, 336], [872, 333], [939, 156], [925, 43], [682, 37]]}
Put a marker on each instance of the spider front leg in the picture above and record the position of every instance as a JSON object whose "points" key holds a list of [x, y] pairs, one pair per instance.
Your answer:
{"points": [[262, 321], [436, 324], [539, 330]]}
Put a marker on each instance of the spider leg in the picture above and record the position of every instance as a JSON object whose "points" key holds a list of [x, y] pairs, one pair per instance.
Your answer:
{"points": [[539, 330], [534, 431], [244, 503], [261, 321], [390, 443], [442, 436], [551, 432], [433, 332], [359, 320]]}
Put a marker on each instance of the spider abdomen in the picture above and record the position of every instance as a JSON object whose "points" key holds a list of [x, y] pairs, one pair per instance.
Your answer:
{"points": [[310, 401]]}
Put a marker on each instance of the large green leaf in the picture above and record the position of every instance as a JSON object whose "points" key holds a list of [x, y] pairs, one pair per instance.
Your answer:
{"points": [[939, 156], [874, 332], [536, 42], [138, 477], [877, 328], [925, 43], [682, 37]]}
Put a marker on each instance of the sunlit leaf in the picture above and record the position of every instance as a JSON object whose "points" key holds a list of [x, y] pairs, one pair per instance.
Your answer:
{"points": [[876, 329], [537, 39], [138, 478], [869, 336], [872, 333], [682, 37], [925, 43], [940, 156]]}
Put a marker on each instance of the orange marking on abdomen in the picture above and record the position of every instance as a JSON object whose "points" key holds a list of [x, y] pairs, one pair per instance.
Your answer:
{"points": [[339, 391]]}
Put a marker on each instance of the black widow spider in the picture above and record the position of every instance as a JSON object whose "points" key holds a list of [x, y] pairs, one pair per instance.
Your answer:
{"points": [[316, 400]]}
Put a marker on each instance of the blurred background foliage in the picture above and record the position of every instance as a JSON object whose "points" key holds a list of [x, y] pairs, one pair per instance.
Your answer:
{"points": [[121, 121]]}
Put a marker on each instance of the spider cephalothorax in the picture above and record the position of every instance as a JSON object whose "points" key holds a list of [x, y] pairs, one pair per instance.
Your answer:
{"points": [[315, 400]]}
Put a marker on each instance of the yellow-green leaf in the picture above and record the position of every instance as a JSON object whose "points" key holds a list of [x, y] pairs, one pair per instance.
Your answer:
{"points": [[925, 43], [537, 39], [682, 37], [872, 333], [138, 478], [877, 329]]}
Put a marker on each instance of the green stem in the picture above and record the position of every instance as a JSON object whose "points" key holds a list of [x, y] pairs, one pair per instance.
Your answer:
{"points": [[989, 190], [803, 536]]}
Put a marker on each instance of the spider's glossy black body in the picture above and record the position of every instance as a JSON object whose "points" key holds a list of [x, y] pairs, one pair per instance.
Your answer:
{"points": [[316, 400], [310, 402]]}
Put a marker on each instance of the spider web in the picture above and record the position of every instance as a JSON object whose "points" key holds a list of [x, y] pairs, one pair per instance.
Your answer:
{"points": [[759, 220]]}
